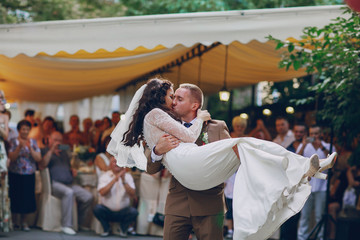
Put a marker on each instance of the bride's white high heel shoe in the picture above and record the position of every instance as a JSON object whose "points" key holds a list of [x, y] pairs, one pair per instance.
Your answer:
{"points": [[326, 164], [314, 166]]}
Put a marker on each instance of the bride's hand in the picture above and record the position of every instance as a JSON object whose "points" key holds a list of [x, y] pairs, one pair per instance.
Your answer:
{"points": [[203, 114]]}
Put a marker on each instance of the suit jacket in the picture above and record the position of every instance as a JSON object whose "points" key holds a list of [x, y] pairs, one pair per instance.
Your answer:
{"points": [[182, 201]]}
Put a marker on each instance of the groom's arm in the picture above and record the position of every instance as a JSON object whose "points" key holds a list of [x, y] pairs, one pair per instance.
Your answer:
{"points": [[165, 144]]}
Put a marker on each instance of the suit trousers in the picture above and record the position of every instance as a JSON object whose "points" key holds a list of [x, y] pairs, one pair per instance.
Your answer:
{"points": [[125, 217], [205, 227], [67, 192]]}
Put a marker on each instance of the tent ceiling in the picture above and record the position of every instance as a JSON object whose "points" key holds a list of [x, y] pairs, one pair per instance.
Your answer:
{"points": [[67, 60]]}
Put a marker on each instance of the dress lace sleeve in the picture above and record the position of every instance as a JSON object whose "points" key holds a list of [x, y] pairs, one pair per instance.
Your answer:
{"points": [[166, 123]]}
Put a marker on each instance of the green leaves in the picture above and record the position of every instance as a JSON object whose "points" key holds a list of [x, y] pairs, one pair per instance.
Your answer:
{"points": [[291, 47], [333, 53]]}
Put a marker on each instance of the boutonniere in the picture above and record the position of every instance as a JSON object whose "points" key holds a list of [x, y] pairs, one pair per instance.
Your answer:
{"points": [[204, 138]]}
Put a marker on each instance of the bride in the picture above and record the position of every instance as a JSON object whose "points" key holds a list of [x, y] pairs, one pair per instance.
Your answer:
{"points": [[271, 184]]}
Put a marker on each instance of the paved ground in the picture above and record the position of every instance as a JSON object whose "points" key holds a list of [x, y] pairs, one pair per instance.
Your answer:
{"points": [[37, 234]]}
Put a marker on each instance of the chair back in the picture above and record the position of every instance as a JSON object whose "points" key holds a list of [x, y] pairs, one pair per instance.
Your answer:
{"points": [[46, 181]]}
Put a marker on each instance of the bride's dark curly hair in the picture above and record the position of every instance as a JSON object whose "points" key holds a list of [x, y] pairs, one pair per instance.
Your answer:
{"points": [[153, 97]]}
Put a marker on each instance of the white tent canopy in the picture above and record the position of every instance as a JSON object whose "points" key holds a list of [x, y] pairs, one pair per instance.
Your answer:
{"points": [[62, 61], [167, 30]]}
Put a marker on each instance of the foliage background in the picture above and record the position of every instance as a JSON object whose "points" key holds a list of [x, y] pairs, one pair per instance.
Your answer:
{"points": [[332, 54], [15, 11]]}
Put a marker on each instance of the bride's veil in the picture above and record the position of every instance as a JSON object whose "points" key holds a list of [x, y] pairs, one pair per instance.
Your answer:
{"points": [[127, 156]]}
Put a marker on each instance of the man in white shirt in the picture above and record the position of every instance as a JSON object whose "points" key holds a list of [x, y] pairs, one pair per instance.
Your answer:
{"points": [[116, 188], [317, 198], [285, 136]]}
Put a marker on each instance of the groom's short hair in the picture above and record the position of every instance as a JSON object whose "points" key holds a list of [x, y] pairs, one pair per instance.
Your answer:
{"points": [[195, 92]]}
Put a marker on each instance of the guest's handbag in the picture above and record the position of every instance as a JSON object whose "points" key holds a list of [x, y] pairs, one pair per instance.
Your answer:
{"points": [[159, 219]]}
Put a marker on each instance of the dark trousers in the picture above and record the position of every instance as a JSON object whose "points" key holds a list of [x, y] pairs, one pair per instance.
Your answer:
{"points": [[288, 230], [205, 227], [125, 216]]}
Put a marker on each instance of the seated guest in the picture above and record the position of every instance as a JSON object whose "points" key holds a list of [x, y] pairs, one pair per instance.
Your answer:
{"points": [[102, 160], [88, 132], [116, 189], [23, 154], [74, 139], [97, 131], [62, 183]]}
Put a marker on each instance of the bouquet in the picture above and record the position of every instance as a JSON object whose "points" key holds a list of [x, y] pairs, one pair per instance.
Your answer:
{"points": [[85, 153]]}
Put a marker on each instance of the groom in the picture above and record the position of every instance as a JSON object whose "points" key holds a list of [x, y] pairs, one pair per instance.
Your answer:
{"points": [[187, 209]]}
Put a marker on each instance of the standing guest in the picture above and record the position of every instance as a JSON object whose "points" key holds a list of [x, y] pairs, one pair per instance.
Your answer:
{"points": [[284, 135], [115, 118], [96, 133], [339, 183], [87, 133], [106, 124], [12, 132], [288, 230], [5, 214], [35, 132], [23, 153], [48, 127], [317, 198], [116, 189], [260, 131], [75, 129], [228, 192], [239, 126], [62, 184]]}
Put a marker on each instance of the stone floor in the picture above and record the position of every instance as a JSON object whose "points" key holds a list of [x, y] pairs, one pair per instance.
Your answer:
{"points": [[37, 234]]}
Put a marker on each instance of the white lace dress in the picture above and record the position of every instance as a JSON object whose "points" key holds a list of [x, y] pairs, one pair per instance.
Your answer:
{"points": [[269, 186]]}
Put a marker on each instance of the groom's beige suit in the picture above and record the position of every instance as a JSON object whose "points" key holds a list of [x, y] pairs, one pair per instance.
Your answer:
{"points": [[187, 209]]}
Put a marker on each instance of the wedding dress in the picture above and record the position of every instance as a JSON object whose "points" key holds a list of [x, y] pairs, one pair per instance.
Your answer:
{"points": [[269, 186]]}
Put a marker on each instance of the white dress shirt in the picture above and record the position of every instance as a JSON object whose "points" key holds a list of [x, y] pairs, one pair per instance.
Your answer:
{"points": [[117, 198]]}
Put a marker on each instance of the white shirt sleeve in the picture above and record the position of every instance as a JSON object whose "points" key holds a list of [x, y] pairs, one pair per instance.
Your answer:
{"points": [[154, 157]]}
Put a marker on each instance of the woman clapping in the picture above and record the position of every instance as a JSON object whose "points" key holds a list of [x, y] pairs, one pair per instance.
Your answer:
{"points": [[23, 153]]}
